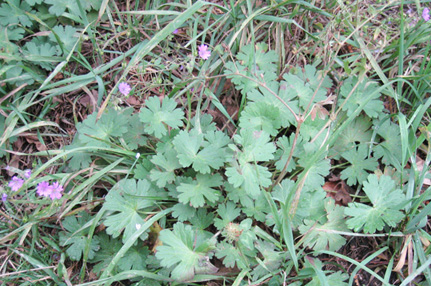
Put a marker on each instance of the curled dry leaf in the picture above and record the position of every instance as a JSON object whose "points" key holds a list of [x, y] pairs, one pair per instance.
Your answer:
{"points": [[338, 190]]}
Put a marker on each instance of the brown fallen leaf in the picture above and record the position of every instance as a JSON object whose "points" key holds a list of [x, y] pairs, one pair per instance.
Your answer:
{"points": [[420, 165], [338, 191]]}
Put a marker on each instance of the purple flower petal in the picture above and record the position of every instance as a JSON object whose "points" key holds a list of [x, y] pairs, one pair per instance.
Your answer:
{"points": [[56, 191], [43, 189], [204, 53], [124, 88], [27, 173], [426, 14], [16, 183], [4, 197]]}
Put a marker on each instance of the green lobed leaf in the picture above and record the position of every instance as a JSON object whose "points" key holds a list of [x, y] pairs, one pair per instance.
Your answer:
{"points": [[166, 163], [158, 116], [386, 202], [180, 249], [285, 145], [199, 191], [188, 146], [316, 174], [356, 172], [250, 177], [238, 194], [373, 107], [58, 7], [229, 254], [66, 34], [261, 116], [389, 149], [359, 130], [256, 146], [43, 51], [14, 13], [319, 236], [111, 124], [126, 200], [183, 212], [77, 239], [228, 213]]}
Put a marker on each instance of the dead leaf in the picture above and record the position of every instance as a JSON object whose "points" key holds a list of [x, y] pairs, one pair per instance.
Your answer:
{"points": [[338, 191], [420, 165], [133, 100], [14, 162], [34, 140]]}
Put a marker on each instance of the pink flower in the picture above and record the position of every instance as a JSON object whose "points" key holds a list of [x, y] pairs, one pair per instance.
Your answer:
{"points": [[175, 31], [43, 189], [16, 183], [27, 173], [56, 191], [204, 53], [426, 14], [124, 88]]}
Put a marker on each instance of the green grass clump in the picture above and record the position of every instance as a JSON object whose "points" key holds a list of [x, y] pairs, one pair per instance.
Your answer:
{"points": [[227, 143]]}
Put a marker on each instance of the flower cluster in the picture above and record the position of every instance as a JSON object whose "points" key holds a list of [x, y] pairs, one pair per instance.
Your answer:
{"points": [[44, 189], [54, 191]]}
